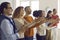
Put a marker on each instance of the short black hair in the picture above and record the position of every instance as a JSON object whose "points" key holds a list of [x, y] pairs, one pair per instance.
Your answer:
{"points": [[49, 11], [35, 13], [2, 6]]}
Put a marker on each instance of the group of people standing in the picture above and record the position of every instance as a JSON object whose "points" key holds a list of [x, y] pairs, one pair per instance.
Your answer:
{"points": [[21, 27]]}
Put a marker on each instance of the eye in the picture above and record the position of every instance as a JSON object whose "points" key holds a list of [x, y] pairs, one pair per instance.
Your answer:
{"points": [[9, 7]]}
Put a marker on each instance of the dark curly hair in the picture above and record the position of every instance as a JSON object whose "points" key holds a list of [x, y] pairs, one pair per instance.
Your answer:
{"points": [[37, 13], [2, 6]]}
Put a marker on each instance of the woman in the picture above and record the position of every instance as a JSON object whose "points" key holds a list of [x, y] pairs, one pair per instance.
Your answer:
{"points": [[50, 24], [19, 21], [49, 15]]}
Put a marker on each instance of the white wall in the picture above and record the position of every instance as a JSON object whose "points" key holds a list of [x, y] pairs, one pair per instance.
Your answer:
{"points": [[58, 34], [43, 3], [4, 1], [48, 3]]}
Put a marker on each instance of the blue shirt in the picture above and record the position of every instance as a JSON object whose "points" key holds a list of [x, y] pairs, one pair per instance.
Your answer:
{"points": [[7, 32]]}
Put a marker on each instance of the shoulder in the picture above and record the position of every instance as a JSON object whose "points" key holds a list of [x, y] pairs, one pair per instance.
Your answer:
{"points": [[16, 20], [28, 17], [5, 21]]}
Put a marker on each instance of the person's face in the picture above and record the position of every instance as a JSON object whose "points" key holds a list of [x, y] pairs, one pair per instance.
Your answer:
{"points": [[54, 12], [9, 9], [29, 10], [50, 14], [22, 12]]}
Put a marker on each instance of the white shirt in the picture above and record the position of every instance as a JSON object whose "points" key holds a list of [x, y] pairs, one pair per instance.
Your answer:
{"points": [[41, 30], [19, 23]]}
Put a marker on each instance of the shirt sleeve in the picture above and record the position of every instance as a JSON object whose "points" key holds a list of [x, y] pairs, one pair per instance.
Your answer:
{"points": [[7, 29]]}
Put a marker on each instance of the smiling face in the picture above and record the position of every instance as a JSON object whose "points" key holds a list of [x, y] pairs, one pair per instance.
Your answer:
{"points": [[21, 12], [28, 10], [50, 14], [54, 11], [8, 10]]}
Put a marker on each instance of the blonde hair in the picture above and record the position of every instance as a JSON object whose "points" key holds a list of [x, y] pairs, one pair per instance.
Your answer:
{"points": [[16, 13]]}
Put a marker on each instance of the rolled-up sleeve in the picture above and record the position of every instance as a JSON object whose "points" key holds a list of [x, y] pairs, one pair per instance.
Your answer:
{"points": [[7, 29]]}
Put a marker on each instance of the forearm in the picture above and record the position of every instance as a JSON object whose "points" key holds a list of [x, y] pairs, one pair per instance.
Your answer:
{"points": [[53, 23]]}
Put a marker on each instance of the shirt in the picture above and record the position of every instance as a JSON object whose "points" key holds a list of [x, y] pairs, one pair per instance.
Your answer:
{"points": [[7, 32], [54, 17], [19, 24], [41, 30], [30, 31]]}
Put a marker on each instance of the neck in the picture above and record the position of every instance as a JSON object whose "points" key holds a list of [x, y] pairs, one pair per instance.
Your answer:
{"points": [[27, 14], [54, 14], [20, 17]]}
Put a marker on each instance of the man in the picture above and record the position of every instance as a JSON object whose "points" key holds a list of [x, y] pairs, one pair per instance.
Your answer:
{"points": [[7, 26]]}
